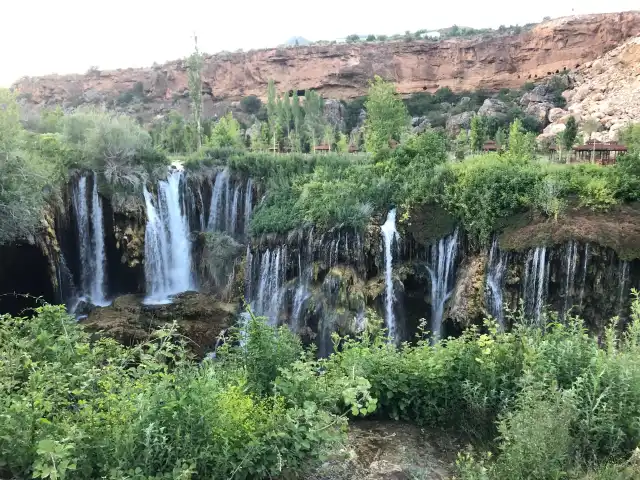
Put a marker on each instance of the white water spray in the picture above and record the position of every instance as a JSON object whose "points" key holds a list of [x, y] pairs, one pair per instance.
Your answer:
{"points": [[91, 242], [248, 199], [167, 247], [535, 283], [442, 273], [496, 269], [389, 234], [220, 186]]}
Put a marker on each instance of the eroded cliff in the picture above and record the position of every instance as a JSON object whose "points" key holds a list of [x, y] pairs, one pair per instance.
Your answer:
{"points": [[343, 70]]}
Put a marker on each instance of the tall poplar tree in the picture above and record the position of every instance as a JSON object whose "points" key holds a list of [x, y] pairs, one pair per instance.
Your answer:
{"points": [[387, 115], [194, 68]]}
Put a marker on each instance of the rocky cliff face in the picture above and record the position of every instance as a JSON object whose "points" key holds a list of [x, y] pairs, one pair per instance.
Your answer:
{"points": [[343, 70], [606, 91]]}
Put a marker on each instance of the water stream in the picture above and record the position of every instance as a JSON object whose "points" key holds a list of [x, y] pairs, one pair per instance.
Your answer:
{"points": [[167, 245], [442, 273], [389, 234], [90, 226]]}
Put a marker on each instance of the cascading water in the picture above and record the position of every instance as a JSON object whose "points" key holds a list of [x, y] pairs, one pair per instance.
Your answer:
{"points": [[583, 282], [442, 273], [248, 200], [270, 291], [389, 234], [302, 293], [167, 247], [536, 283], [496, 268], [570, 267], [623, 280], [91, 241], [216, 213], [232, 220]]}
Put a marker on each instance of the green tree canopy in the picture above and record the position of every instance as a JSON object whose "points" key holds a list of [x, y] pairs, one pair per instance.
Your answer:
{"points": [[387, 116]]}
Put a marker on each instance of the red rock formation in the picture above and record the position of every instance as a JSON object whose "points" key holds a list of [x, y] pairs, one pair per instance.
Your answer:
{"points": [[343, 70]]}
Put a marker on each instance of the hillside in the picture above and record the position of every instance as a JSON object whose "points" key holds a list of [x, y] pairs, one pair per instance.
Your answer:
{"points": [[343, 70], [605, 91]]}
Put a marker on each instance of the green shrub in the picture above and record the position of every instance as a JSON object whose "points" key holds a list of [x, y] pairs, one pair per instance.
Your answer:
{"points": [[72, 409], [250, 104]]}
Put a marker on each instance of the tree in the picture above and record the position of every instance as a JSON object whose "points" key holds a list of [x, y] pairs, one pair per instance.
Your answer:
{"points": [[250, 104], [570, 133], [461, 145], [371, 38], [24, 173], [313, 117], [353, 38], [298, 117], [590, 127], [521, 144], [343, 143], [226, 133], [501, 139], [194, 68], [387, 116], [477, 135], [9, 122], [284, 113], [329, 136]]}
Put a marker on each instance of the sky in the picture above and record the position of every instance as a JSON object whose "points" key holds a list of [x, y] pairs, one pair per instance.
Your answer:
{"points": [[39, 37]]}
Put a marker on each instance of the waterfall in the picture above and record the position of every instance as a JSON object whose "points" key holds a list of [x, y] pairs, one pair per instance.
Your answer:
{"points": [[302, 293], [220, 186], [248, 200], [91, 241], [583, 282], [232, 220], [570, 266], [270, 291], [389, 234], [442, 273], [623, 279], [535, 283], [167, 247], [496, 269]]}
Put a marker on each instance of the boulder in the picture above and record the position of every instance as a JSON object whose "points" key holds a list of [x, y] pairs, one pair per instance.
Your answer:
{"points": [[539, 111], [556, 113], [492, 108], [334, 112], [467, 301], [201, 318], [455, 123], [554, 129], [540, 94], [420, 124]]}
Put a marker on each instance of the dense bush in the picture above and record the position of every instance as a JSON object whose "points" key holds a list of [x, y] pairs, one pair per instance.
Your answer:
{"points": [[550, 401], [250, 104], [71, 409]]}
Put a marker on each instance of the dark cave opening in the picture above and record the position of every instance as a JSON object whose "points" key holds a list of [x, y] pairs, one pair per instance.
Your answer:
{"points": [[24, 279]]}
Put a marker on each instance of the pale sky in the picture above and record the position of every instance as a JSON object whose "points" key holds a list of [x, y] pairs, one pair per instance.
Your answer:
{"points": [[39, 37]]}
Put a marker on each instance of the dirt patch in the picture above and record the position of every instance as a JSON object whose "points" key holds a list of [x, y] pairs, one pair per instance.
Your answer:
{"points": [[386, 450], [618, 229]]}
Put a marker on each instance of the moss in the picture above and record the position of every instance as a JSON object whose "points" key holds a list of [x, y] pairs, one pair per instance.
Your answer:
{"points": [[618, 229], [427, 223]]}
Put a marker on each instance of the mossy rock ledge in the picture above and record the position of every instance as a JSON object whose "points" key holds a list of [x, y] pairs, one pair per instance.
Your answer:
{"points": [[201, 318]]}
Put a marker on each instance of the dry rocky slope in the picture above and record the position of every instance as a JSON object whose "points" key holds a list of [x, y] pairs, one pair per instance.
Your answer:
{"points": [[343, 70], [606, 90]]}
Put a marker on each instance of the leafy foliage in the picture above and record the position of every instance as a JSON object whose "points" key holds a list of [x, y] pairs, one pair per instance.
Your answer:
{"points": [[386, 115], [75, 410]]}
